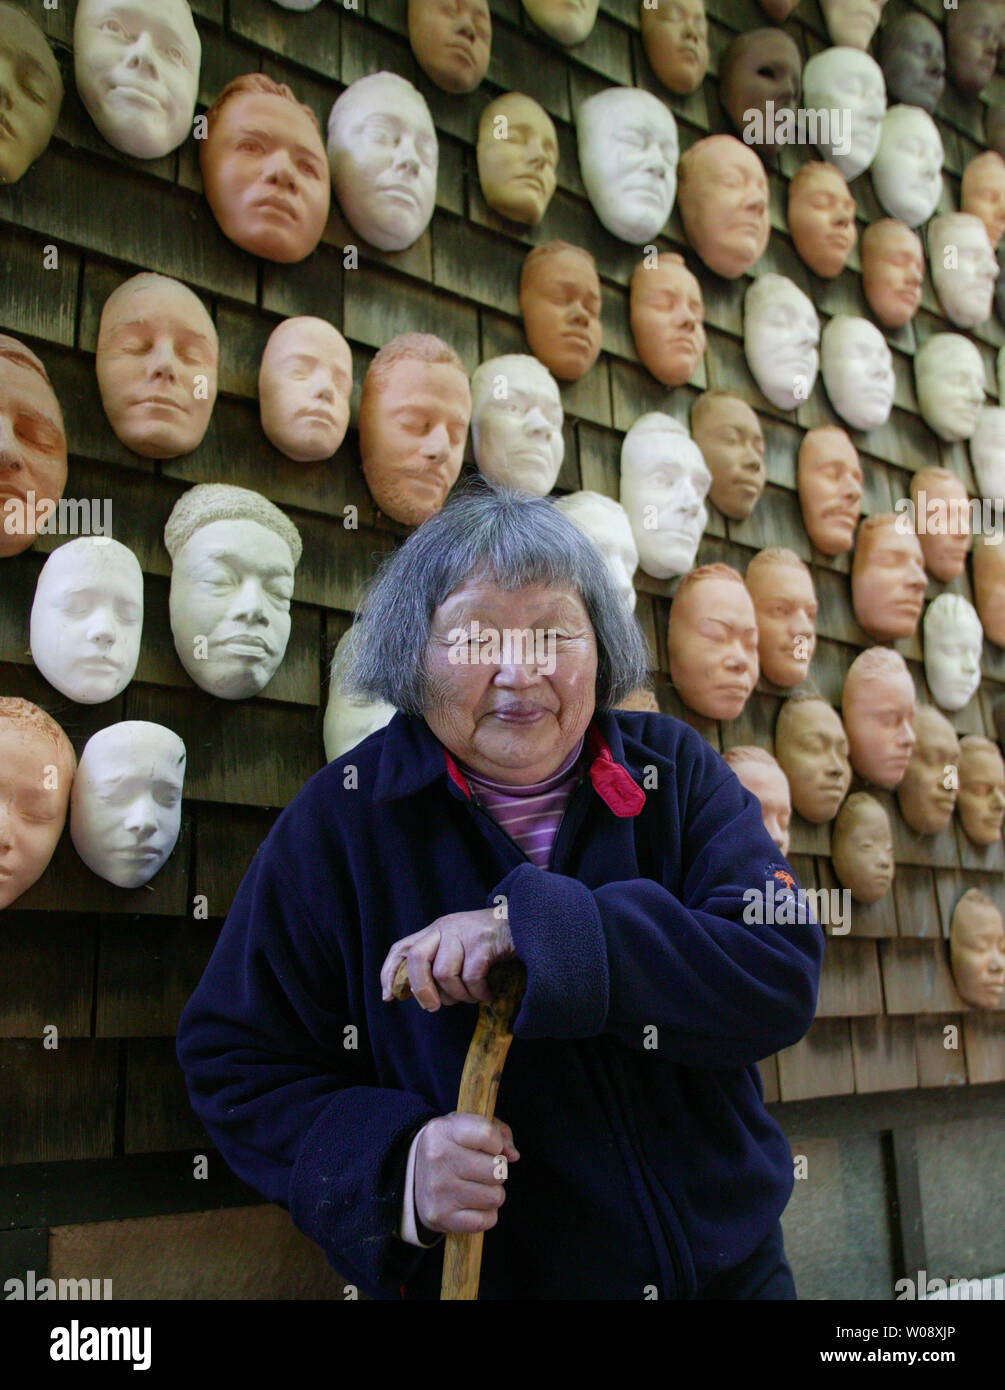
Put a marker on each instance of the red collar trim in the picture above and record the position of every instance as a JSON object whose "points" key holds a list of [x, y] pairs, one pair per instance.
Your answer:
{"points": [[612, 782], [455, 775]]}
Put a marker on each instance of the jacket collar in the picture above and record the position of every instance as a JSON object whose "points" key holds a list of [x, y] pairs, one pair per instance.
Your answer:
{"points": [[411, 757]]}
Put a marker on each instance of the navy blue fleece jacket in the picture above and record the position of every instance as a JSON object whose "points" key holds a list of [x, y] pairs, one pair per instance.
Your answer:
{"points": [[647, 1157]]}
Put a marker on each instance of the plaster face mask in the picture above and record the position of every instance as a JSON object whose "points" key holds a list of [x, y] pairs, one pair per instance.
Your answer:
{"points": [[945, 532], [758, 67], [667, 316], [348, 722], [560, 303], [608, 527], [304, 385], [642, 701], [675, 37], [858, 371], [517, 158], [516, 423], [451, 40], [36, 769], [413, 425], [767, 782], [780, 336], [32, 445], [566, 21], [977, 951], [989, 589], [350, 719], [628, 153], [862, 849], [731, 441], [137, 68], [724, 204], [848, 81], [829, 477], [887, 581], [963, 267], [822, 218], [973, 43], [33, 89], [925, 801], [157, 364], [981, 799], [852, 22], [87, 619], [893, 269], [914, 60], [125, 806], [384, 158], [266, 175], [812, 751], [982, 193], [231, 586], [949, 380], [907, 170], [879, 720], [987, 451], [664, 483], [712, 643], [786, 607], [954, 641]]}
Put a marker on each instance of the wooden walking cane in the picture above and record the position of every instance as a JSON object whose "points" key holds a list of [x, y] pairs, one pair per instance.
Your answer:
{"points": [[462, 1255]]}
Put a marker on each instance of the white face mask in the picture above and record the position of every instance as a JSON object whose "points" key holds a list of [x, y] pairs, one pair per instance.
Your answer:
{"points": [[608, 526], [87, 619], [516, 423], [628, 153], [125, 803], [304, 386], [780, 336], [987, 451], [231, 586], [963, 266], [858, 371], [907, 170], [566, 21], [384, 157], [137, 69], [664, 483], [949, 380], [849, 82], [953, 643]]}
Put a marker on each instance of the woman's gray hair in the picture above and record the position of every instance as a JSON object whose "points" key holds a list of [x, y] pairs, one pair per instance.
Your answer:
{"points": [[512, 539]]}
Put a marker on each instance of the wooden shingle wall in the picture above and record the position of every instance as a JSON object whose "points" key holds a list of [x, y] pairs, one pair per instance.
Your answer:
{"points": [[110, 968]]}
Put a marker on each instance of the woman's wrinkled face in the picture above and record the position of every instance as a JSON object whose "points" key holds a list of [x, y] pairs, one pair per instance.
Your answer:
{"points": [[511, 678]]}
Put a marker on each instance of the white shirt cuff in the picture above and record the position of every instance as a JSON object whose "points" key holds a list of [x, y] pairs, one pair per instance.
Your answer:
{"points": [[409, 1231]]}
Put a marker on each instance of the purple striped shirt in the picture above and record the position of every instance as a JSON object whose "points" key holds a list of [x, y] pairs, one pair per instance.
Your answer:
{"points": [[531, 814]]}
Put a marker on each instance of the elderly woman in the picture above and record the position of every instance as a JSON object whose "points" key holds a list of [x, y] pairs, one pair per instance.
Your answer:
{"points": [[508, 807]]}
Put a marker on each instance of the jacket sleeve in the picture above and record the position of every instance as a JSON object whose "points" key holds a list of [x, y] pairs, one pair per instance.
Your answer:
{"points": [[630, 955], [294, 1107]]}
